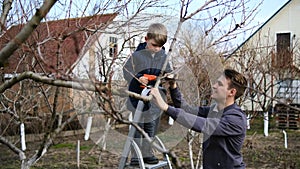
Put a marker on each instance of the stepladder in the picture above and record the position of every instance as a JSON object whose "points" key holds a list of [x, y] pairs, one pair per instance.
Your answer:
{"points": [[131, 145]]}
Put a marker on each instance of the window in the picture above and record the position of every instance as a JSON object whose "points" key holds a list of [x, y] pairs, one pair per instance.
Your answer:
{"points": [[113, 47], [283, 56]]}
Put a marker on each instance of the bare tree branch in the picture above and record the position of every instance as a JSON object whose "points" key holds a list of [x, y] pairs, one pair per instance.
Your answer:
{"points": [[79, 85], [14, 148], [6, 6], [21, 37]]}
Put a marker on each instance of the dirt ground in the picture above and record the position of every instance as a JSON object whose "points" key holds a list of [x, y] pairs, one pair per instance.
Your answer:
{"points": [[259, 152]]}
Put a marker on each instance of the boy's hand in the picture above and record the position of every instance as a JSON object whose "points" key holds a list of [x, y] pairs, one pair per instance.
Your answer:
{"points": [[144, 80]]}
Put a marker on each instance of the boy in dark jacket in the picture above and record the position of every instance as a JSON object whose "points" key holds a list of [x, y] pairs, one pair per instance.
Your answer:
{"points": [[223, 124], [141, 70]]}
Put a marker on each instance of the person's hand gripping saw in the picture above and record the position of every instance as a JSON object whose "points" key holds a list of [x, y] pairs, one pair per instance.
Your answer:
{"points": [[145, 79]]}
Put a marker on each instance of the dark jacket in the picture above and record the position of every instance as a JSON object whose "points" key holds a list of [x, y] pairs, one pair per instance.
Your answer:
{"points": [[142, 62], [224, 131]]}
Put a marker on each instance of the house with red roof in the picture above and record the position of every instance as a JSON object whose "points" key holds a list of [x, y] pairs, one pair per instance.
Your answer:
{"points": [[87, 48], [54, 45], [61, 48]]}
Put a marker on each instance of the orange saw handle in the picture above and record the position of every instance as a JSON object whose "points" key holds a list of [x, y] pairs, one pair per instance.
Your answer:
{"points": [[149, 77]]}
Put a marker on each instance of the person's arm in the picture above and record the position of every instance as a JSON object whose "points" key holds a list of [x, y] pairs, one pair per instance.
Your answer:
{"points": [[188, 120], [231, 124], [177, 99], [180, 102]]}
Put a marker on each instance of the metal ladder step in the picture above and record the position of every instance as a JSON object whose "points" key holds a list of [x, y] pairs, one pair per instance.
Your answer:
{"points": [[160, 164], [165, 163]]}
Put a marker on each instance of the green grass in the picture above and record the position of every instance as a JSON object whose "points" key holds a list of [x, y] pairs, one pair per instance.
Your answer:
{"points": [[71, 146], [64, 145]]}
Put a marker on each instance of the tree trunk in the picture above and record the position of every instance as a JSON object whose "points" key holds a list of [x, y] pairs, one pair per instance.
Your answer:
{"points": [[25, 165]]}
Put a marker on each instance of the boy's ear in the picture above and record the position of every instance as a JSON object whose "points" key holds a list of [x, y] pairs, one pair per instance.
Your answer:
{"points": [[146, 38]]}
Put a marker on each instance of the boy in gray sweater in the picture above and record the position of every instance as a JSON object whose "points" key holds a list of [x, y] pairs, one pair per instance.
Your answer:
{"points": [[141, 70]]}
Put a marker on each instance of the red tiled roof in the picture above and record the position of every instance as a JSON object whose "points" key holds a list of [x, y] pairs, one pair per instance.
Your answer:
{"points": [[61, 42]]}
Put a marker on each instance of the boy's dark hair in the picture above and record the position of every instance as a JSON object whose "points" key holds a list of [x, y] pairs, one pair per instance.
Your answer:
{"points": [[157, 32], [237, 81]]}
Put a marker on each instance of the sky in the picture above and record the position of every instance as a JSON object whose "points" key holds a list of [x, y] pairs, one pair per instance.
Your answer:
{"points": [[265, 11], [268, 8]]}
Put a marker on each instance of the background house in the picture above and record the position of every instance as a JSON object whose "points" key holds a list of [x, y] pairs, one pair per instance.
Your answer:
{"points": [[52, 50], [270, 58], [87, 48]]}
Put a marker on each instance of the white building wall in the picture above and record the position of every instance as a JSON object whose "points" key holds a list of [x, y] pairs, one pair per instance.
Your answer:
{"points": [[285, 21], [128, 35]]}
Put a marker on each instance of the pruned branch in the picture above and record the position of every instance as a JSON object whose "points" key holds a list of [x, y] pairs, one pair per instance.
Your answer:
{"points": [[74, 84]]}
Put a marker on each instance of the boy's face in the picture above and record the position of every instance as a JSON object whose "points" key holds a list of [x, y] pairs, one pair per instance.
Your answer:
{"points": [[152, 45]]}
